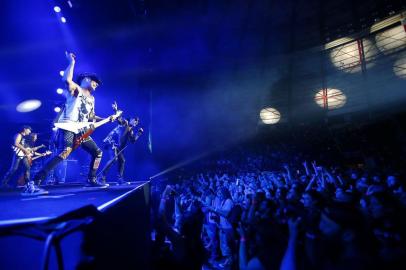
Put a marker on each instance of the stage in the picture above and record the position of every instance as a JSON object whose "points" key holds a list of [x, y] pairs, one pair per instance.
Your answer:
{"points": [[61, 199], [96, 228]]}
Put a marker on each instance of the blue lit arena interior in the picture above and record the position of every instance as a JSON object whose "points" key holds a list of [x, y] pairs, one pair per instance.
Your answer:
{"points": [[205, 78]]}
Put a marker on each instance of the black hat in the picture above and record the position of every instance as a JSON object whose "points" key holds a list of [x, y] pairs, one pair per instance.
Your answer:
{"points": [[92, 76]]}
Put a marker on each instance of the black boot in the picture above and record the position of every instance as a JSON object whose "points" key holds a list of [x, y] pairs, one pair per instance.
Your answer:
{"points": [[92, 182]]}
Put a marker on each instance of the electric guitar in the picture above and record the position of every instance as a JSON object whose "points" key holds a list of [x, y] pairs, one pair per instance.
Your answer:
{"points": [[85, 129], [31, 159], [20, 153]]}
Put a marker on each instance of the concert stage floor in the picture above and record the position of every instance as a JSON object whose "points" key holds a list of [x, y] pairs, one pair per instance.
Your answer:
{"points": [[16, 208], [75, 226]]}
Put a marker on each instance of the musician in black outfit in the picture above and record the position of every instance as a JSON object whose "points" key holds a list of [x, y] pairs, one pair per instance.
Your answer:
{"points": [[116, 141], [22, 151]]}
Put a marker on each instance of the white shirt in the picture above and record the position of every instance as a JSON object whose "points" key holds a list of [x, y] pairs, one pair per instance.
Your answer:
{"points": [[78, 108]]}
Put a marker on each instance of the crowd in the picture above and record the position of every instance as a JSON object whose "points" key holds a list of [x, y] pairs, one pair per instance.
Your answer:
{"points": [[265, 207]]}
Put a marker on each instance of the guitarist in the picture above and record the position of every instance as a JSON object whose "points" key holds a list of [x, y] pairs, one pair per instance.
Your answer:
{"points": [[22, 153], [116, 141], [79, 107], [30, 143]]}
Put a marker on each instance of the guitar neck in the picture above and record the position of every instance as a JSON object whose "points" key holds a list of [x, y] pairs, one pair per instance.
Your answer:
{"points": [[38, 147], [108, 119], [34, 158], [102, 122], [43, 155]]}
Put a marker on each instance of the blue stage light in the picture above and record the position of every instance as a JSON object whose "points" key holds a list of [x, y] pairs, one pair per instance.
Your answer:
{"points": [[57, 9], [63, 19], [57, 109], [61, 72], [28, 105], [59, 91]]}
